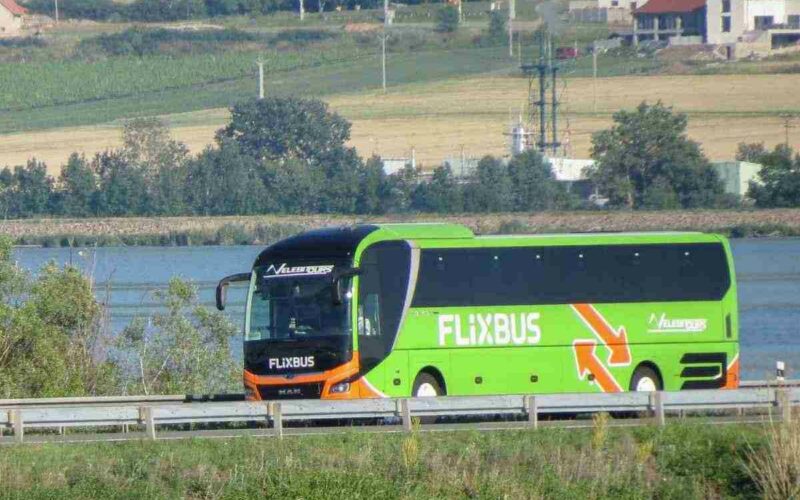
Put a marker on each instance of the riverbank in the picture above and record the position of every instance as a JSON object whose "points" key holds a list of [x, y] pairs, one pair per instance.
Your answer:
{"points": [[236, 230], [678, 461]]}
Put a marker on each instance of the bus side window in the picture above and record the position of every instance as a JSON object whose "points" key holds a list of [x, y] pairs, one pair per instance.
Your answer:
{"points": [[369, 316]]}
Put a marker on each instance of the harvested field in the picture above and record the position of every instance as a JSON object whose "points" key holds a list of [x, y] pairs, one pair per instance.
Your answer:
{"points": [[438, 119], [735, 223]]}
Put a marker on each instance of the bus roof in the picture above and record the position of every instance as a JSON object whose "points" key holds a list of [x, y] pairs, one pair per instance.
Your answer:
{"points": [[449, 231]]}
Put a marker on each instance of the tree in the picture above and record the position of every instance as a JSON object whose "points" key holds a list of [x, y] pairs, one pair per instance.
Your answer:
{"points": [[184, 350], [447, 19], [441, 194], [779, 176], [299, 187], [28, 190], [341, 168], [77, 187], [533, 185], [400, 187], [285, 128], [489, 188], [162, 160], [497, 26], [50, 340], [372, 187], [222, 181], [751, 152], [122, 185], [646, 158]]}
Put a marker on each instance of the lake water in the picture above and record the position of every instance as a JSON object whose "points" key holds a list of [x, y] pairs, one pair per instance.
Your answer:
{"points": [[768, 272]]}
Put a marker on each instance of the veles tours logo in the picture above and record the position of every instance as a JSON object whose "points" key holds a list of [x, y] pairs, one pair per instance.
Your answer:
{"points": [[663, 324], [489, 329], [292, 362], [285, 270]]}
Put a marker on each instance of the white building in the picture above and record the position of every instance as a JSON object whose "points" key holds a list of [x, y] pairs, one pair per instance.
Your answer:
{"points": [[741, 27], [769, 23], [11, 18], [736, 176]]}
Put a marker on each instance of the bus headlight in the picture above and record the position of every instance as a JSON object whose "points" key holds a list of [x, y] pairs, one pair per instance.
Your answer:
{"points": [[340, 388]]}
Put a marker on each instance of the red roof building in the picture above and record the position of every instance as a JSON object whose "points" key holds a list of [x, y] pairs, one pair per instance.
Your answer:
{"points": [[11, 18], [13, 7], [662, 20], [670, 6]]}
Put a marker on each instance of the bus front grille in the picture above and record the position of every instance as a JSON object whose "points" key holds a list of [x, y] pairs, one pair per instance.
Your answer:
{"points": [[293, 391]]}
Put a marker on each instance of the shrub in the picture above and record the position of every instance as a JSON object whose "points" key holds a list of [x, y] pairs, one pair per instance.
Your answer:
{"points": [[447, 19]]}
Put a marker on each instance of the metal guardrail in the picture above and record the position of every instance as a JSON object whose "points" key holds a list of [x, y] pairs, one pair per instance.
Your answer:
{"points": [[6, 404], [524, 410], [119, 400]]}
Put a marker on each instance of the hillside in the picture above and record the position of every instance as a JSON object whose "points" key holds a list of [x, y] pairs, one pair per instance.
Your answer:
{"points": [[439, 118], [448, 95]]}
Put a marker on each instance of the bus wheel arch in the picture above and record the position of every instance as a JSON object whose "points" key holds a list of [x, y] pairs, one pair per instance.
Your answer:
{"points": [[429, 378], [646, 378]]}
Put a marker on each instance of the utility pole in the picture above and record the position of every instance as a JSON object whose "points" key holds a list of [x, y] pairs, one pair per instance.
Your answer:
{"points": [[385, 13], [383, 60], [511, 15], [260, 79], [787, 124], [594, 79], [56, 3], [302, 10]]}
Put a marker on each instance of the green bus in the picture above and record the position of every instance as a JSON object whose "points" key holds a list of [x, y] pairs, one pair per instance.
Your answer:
{"points": [[398, 310]]}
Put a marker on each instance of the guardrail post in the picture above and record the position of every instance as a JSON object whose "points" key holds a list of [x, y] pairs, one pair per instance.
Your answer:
{"points": [[784, 404], [533, 411], [19, 425], [657, 407], [146, 415], [277, 419], [405, 414]]}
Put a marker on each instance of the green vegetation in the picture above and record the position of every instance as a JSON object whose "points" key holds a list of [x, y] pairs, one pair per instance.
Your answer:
{"points": [[779, 179], [94, 93], [447, 19], [54, 342], [290, 156], [646, 161], [679, 461], [283, 155], [46, 84]]}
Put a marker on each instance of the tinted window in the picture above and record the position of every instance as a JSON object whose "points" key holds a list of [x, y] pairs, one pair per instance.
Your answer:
{"points": [[564, 275], [382, 292]]}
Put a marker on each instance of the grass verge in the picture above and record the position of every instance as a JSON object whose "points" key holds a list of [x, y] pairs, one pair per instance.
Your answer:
{"points": [[679, 461]]}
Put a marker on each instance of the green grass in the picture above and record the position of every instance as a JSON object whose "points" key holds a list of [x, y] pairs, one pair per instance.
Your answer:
{"points": [[39, 85], [361, 73], [679, 461]]}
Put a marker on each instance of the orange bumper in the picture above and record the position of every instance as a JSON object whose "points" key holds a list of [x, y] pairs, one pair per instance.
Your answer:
{"points": [[359, 387]]}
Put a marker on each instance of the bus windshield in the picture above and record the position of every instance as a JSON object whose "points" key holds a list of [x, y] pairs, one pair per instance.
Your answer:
{"points": [[286, 308]]}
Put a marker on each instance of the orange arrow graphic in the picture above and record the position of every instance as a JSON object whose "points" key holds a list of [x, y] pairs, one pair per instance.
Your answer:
{"points": [[589, 364], [617, 342]]}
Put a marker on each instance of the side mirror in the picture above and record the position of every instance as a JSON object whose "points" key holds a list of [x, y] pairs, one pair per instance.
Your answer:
{"points": [[222, 287], [338, 276]]}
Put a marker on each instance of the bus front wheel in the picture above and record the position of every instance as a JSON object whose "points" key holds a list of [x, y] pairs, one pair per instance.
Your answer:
{"points": [[426, 386], [645, 379]]}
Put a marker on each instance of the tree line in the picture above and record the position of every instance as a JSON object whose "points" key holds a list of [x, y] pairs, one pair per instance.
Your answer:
{"points": [[290, 156], [176, 10]]}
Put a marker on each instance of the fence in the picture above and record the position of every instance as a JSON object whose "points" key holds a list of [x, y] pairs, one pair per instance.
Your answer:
{"points": [[115, 416]]}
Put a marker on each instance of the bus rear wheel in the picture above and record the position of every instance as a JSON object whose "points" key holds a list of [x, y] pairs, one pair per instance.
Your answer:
{"points": [[426, 386], [645, 379]]}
